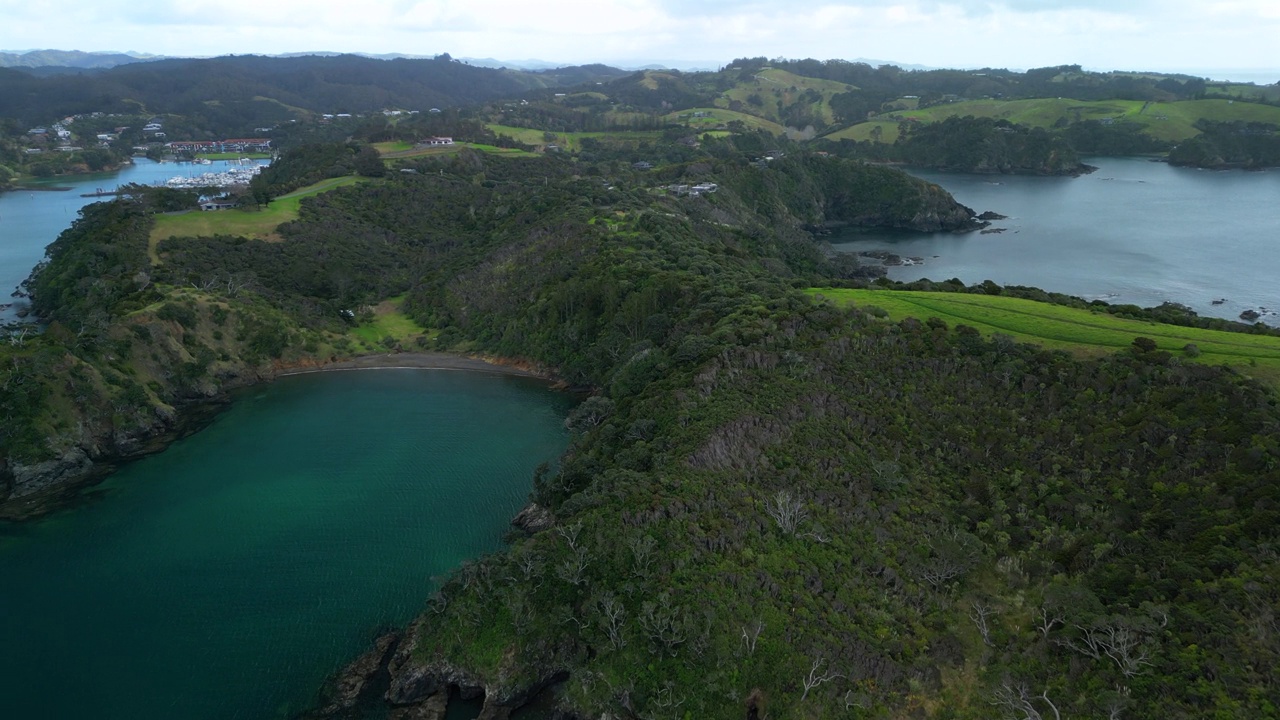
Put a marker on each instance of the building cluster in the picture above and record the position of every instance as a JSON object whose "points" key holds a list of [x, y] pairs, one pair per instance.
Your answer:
{"points": [[234, 145], [694, 190]]}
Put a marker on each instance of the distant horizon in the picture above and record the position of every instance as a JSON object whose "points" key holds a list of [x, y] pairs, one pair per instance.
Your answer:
{"points": [[1215, 38], [1259, 75]]}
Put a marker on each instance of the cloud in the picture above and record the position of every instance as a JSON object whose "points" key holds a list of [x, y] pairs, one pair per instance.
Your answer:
{"points": [[1007, 33]]}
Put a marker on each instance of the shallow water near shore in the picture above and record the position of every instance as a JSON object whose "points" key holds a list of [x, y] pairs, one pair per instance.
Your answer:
{"points": [[228, 576]]}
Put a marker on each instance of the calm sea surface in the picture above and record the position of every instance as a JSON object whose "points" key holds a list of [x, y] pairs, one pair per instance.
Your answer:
{"points": [[1135, 231], [229, 575], [31, 219]]}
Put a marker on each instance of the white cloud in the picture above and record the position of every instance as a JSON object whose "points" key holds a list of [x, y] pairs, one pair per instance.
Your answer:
{"points": [[1151, 34]]}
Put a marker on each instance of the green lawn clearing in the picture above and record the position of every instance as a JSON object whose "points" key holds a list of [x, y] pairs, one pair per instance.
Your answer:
{"points": [[715, 117], [1080, 331], [403, 149], [389, 327], [247, 222], [572, 141]]}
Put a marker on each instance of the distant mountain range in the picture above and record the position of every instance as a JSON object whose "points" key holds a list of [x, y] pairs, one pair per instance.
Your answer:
{"points": [[70, 59], [77, 59], [256, 91]]}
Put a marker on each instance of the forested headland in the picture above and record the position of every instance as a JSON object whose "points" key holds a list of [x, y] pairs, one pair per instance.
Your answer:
{"points": [[772, 505]]}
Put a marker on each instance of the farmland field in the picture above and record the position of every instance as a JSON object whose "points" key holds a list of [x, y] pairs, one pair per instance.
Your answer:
{"points": [[1076, 330], [1173, 121]]}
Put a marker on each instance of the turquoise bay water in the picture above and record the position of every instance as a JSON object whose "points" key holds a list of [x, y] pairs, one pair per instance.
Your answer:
{"points": [[229, 575]]}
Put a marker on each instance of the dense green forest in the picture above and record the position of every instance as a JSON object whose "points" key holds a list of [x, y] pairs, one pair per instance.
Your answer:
{"points": [[977, 145], [1230, 144], [771, 506], [235, 93]]}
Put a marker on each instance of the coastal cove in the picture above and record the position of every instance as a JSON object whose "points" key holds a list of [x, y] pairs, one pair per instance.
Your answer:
{"points": [[1134, 231], [228, 576]]}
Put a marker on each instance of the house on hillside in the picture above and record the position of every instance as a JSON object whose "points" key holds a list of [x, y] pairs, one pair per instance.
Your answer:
{"points": [[435, 142]]}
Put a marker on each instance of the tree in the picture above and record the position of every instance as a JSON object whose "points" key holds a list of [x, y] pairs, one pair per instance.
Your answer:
{"points": [[368, 162], [787, 511]]}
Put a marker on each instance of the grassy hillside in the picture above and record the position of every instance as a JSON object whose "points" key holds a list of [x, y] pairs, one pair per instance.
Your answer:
{"points": [[258, 223], [718, 117], [1080, 331], [1172, 121], [572, 141], [399, 149], [774, 86]]}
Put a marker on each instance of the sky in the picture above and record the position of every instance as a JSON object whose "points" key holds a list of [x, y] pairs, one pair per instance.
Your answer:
{"points": [[1169, 35]]}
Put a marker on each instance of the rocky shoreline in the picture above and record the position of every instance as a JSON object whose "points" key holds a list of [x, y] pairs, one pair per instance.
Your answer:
{"points": [[29, 491], [392, 678]]}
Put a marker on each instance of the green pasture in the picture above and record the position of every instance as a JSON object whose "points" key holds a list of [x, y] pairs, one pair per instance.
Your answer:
{"points": [[245, 222], [388, 322], [720, 116], [1244, 91], [572, 141], [773, 85], [394, 146], [400, 149], [1172, 121], [1077, 330]]}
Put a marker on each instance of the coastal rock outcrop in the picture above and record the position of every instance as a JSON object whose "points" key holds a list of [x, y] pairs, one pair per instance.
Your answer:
{"points": [[72, 465], [533, 519], [394, 674]]}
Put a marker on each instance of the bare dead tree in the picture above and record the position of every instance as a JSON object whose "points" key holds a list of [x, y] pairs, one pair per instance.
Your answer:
{"points": [[750, 636], [853, 699], [663, 622], [570, 534], [786, 510], [642, 548], [1116, 638], [816, 677], [529, 567], [206, 284], [952, 554], [667, 698], [573, 569], [237, 282], [817, 534], [1017, 703], [1048, 618], [979, 613], [612, 613]]}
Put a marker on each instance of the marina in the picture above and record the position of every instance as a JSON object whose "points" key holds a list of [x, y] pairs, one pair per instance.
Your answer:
{"points": [[231, 177]]}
